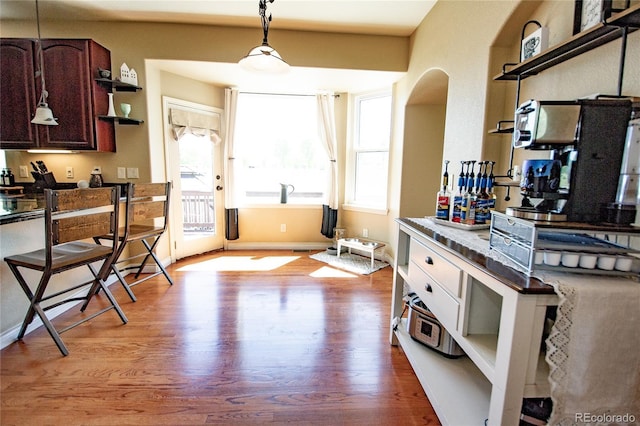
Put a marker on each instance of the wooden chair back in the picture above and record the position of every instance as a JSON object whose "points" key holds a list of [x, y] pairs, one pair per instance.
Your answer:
{"points": [[148, 205], [79, 214]]}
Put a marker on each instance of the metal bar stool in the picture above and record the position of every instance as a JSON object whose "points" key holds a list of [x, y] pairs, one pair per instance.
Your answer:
{"points": [[71, 217], [146, 220]]}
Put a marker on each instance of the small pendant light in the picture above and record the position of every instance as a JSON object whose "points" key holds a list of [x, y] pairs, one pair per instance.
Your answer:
{"points": [[43, 114], [264, 58]]}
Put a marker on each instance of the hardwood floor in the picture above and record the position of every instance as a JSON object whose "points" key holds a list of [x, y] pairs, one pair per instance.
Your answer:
{"points": [[241, 338]]}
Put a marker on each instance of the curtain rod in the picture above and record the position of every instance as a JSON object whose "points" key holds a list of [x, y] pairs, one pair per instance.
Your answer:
{"points": [[335, 95]]}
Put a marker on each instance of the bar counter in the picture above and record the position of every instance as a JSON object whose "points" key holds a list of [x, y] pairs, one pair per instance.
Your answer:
{"points": [[29, 205]]}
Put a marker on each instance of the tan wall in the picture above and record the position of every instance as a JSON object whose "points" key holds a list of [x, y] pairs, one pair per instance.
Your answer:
{"points": [[142, 146], [455, 38], [470, 41], [422, 158]]}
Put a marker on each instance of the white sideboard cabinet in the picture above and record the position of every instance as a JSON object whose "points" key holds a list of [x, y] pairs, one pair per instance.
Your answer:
{"points": [[498, 322]]}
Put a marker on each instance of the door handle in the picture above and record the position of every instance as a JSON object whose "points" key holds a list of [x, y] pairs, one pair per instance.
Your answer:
{"points": [[218, 188]]}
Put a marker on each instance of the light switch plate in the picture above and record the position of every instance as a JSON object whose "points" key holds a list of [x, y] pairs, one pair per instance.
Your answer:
{"points": [[132, 173], [122, 173]]}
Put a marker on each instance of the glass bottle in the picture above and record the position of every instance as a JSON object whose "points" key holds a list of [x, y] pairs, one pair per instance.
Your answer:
{"points": [[482, 203], [492, 195], [468, 209], [10, 178], [456, 209], [444, 196]]}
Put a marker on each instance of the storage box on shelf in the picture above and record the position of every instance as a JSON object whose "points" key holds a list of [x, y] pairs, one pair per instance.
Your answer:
{"points": [[499, 328], [525, 242]]}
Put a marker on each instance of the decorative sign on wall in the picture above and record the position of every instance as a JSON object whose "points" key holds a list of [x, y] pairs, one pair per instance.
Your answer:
{"points": [[589, 13], [535, 43]]}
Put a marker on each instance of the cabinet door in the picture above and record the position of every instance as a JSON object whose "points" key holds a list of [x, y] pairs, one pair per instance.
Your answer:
{"points": [[105, 131], [66, 74], [17, 94]]}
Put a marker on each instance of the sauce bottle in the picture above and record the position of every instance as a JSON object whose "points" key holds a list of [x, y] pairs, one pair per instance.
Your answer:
{"points": [[456, 210], [444, 196]]}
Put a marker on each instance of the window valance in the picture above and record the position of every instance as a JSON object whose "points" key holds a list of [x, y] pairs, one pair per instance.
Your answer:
{"points": [[185, 122]]}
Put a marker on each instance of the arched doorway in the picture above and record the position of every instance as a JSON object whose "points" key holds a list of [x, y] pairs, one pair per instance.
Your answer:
{"points": [[422, 165]]}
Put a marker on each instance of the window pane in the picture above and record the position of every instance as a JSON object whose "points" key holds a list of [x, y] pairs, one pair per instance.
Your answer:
{"points": [[196, 182], [277, 142], [374, 122], [371, 178]]}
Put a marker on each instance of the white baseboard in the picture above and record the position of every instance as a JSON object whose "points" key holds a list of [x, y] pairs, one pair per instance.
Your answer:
{"points": [[230, 245]]}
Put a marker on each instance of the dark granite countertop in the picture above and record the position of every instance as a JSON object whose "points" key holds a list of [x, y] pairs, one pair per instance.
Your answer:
{"points": [[513, 278], [18, 208]]}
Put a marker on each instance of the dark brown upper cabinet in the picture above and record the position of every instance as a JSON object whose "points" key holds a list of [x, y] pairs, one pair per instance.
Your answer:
{"points": [[75, 97]]}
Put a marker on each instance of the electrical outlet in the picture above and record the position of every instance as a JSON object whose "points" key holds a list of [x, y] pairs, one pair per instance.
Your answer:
{"points": [[122, 173], [365, 232], [69, 172], [283, 227], [132, 173], [23, 172], [97, 169]]}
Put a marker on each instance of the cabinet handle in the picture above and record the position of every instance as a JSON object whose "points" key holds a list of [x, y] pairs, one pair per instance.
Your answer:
{"points": [[429, 260], [428, 288]]}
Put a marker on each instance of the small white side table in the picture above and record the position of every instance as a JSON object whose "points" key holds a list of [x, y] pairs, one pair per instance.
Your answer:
{"points": [[359, 244]]}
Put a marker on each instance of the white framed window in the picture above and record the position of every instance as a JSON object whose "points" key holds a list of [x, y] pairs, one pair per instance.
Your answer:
{"points": [[277, 143], [368, 153]]}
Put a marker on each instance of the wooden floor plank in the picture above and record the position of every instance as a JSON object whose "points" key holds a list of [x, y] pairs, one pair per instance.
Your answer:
{"points": [[223, 345]]}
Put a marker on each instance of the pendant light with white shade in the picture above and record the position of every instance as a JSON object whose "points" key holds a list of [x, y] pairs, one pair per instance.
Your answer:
{"points": [[264, 58], [43, 114]]}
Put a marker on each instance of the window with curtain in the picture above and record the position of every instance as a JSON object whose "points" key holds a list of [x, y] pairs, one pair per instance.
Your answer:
{"points": [[276, 138], [369, 151]]}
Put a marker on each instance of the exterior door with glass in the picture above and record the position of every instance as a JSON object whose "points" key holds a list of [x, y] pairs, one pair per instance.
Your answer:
{"points": [[194, 162]]}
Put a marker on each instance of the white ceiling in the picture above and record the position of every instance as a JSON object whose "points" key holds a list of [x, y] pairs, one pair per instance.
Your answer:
{"points": [[382, 17], [387, 17]]}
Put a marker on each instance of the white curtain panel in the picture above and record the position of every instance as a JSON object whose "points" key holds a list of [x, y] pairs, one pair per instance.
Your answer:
{"points": [[327, 132], [230, 108]]}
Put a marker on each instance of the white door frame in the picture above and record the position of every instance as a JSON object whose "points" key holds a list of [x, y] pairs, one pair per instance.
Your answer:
{"points": [[167, 103]]}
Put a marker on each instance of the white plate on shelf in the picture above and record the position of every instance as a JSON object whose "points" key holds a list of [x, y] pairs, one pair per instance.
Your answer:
{"points": [[457, 225]]}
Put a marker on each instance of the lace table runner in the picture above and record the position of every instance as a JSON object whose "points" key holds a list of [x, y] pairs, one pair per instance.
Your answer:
{"points": [[594, 366], [593, 350]]}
